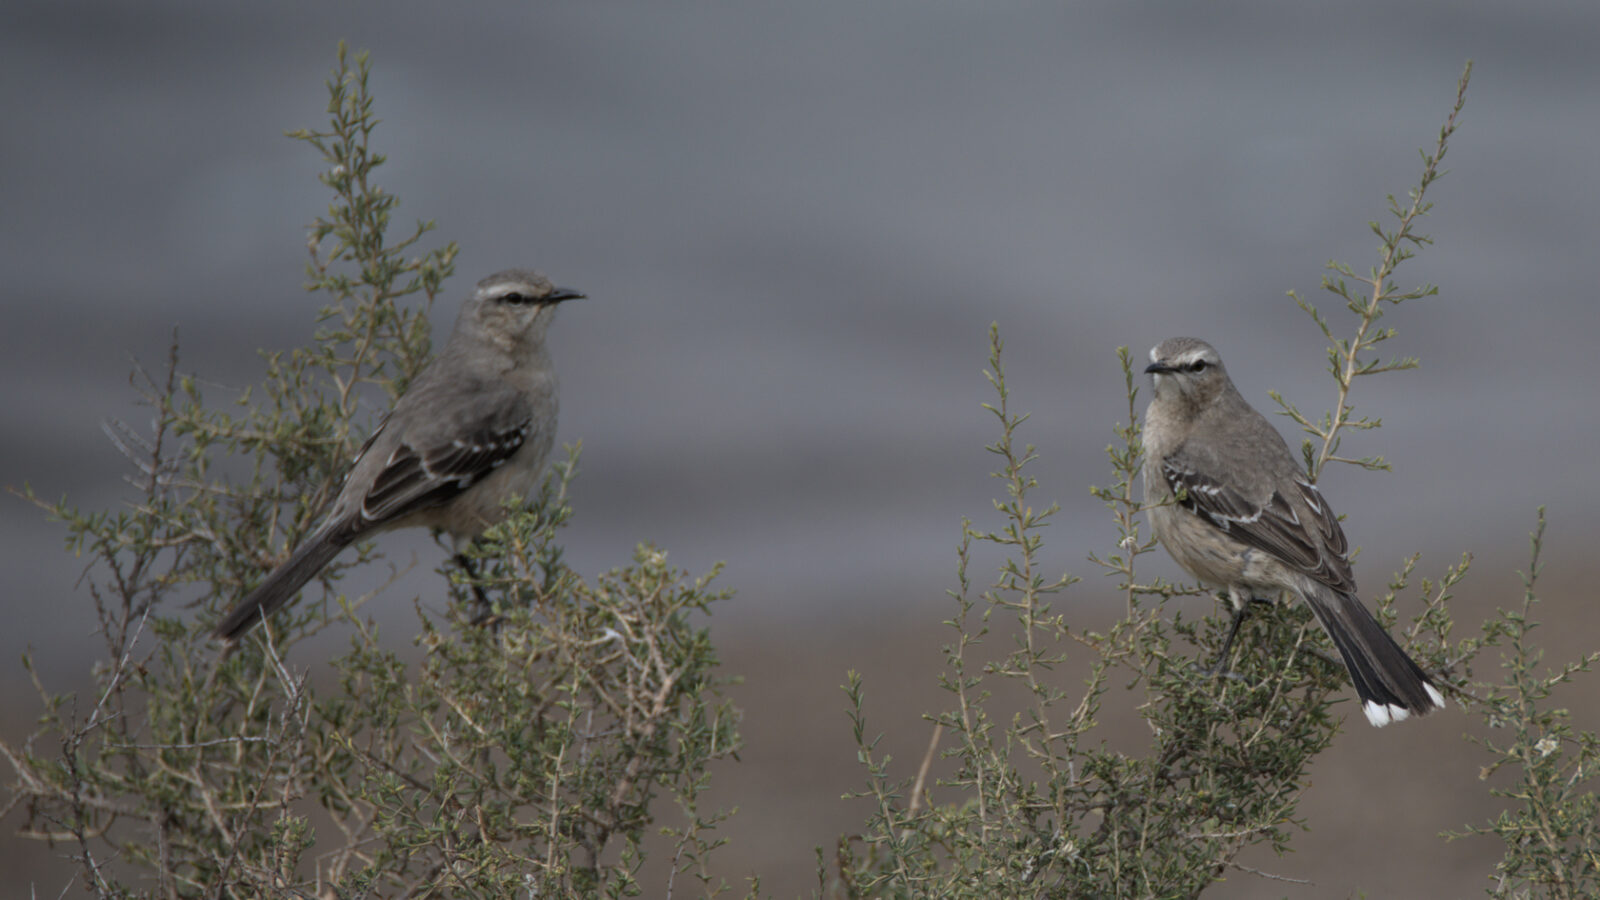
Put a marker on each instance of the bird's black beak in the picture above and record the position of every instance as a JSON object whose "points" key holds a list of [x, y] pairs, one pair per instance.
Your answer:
{"points": [[559, 294], [1157, 368]]}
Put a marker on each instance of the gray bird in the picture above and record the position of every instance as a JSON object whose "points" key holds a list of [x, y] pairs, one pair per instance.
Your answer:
{"points": [[1230, 504], [472, 429]]}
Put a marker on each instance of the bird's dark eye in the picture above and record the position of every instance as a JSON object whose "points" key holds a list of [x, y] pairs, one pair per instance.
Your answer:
{"points": [[516, 297], [1198, 365]]}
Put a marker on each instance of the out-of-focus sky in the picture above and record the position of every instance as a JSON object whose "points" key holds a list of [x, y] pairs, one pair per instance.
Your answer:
{"points": [[795, 224]]}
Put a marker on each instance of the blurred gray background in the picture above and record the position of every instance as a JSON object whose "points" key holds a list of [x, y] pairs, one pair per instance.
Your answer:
{"points": [[795, 224]]}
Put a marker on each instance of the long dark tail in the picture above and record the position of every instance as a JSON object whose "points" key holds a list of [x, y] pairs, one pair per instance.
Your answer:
{"points": [[1391, 685], [282, 584]]}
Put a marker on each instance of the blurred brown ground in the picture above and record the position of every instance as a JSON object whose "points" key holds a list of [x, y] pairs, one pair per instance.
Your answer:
{"points": [[1377, 803]]}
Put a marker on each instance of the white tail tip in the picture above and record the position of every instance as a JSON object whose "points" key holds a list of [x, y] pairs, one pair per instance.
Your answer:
{"points": [[1434, 695], [1381, 714]]}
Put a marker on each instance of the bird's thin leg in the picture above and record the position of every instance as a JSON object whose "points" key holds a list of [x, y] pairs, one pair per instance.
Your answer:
{"points": [[1241, 611], [469, 566]]}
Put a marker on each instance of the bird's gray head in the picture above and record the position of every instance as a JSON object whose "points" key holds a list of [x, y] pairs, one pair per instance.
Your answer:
{"points": [[1187, 369], [513, 309]]}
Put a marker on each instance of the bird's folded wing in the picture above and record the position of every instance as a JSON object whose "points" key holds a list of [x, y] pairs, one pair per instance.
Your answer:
{"points": [[1312, 543], [421, 477]]}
